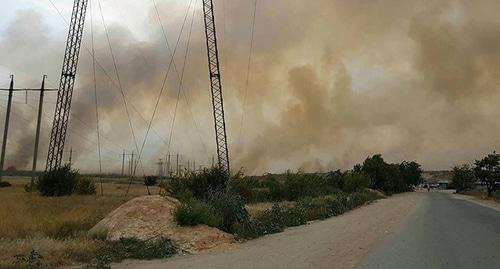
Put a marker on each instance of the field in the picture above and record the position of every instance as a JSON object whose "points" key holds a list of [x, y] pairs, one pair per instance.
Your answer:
{"points": [[55, 227]]}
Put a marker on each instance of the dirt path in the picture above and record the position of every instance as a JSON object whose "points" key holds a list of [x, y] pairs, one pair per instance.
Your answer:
{"points": [[339, 242]]}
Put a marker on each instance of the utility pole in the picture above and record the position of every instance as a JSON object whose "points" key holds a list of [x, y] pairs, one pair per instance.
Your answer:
{"points": [[71, 157], [38, 127], [123, 163], [6, 128], [189, 167], [132, 165], [11, 91], [216, 86], [168, 166], [177, 164], [160, 168]]}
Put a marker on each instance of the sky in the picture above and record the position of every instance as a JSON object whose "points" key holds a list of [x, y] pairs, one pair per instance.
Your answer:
{"points": [[330, 82]]}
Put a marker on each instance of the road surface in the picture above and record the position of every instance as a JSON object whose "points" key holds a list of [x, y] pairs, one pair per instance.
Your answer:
{"points": [[442, 233], [415, 230]]}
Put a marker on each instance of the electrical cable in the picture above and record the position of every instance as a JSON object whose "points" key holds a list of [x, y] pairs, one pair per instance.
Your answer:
{"points": [[95, 97], [247, 81], [181, 85], [160, 94], [119, 84]]}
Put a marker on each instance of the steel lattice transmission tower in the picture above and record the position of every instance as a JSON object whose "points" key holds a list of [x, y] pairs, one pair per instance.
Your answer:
{"points": [[216, 85], [65, 93]]}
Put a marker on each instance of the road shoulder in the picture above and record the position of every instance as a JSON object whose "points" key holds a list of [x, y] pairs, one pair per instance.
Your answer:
{"points": [[339, 242]]}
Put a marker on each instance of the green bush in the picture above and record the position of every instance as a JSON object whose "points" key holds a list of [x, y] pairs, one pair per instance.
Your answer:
{"points": [[195, 212], [150, 180], [246, 188], [336, 179], [355, 181], [299, 185], [277, 191], [130, 248], [198, 183], [58, 182], [4, 184], [85, 186], [278, 218], [230, 206]]}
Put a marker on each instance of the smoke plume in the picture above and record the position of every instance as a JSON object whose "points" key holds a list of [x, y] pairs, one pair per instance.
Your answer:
{"points": [[331, 82]]}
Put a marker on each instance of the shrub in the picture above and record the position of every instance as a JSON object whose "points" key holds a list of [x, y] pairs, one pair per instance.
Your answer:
{"points": [[463, 178], [130, 248], [221, 210], [336, 179], [300, 185], [355, 181], [277, 190], [198, 183], [85, 186], [230, 206], [245, 187], [5, 184], [150, 180], [278, 218], [58, 182], [31, 260], [195, 212]]}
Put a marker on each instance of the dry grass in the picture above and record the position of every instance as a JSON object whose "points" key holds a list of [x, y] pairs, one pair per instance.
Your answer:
{"points": [[55, 227]]}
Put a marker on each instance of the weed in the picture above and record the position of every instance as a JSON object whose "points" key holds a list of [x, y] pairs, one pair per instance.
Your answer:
{"points": [[85, 186], [58, 182], [31, 260], [196, 212]]}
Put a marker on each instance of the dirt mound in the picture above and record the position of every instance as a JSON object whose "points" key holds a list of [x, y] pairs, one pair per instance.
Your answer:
{"points": [[151, 217]]}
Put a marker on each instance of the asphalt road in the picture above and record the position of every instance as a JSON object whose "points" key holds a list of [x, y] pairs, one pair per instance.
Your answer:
{"points": [[442, 233]]}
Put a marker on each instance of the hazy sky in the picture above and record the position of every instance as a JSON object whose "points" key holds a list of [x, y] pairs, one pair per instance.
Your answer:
{"points": [[331, 81]]}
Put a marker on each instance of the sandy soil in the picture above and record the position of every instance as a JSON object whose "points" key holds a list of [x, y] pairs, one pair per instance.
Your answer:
{"points": [[152, 217], [339, 242]]}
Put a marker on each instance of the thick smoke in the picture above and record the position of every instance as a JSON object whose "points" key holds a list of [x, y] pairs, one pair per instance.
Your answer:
{"points": [[331, 83]]}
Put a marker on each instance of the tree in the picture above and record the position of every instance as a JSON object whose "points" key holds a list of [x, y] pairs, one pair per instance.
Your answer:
{"points": [[150, 180], [411, 173], [463, 178], [488, 171], [58, 182], [375, 168]]}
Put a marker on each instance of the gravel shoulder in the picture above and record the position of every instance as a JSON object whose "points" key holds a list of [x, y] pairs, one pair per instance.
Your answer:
{"points": [[339, 242]]}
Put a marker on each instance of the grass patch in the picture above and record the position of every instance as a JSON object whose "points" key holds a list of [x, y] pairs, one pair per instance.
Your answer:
{"points": [[55, 227]]}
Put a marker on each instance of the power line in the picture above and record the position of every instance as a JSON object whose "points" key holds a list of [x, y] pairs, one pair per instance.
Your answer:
{"points": [[119, 80], [181, 85], [115, 84], [168, 69], [247, 81], [95, 96]]}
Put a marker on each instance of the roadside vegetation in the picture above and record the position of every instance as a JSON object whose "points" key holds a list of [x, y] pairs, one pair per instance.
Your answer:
{"points": [[212, 198], [484, 174], [43, 231], [46, 224]]}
